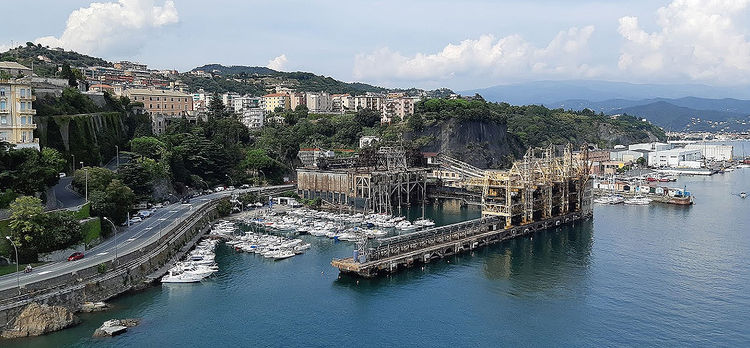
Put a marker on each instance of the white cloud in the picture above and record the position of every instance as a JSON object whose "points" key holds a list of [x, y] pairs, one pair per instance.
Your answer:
{"points": [[113, 28], [509, 57], [697, 39], [277, 63]]}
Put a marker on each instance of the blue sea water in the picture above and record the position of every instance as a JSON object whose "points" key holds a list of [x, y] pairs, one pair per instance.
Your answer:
{"points": [[657, 275]]}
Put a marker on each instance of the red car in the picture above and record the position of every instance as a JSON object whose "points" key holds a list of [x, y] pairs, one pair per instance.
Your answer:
{"points": [[76, 256]]}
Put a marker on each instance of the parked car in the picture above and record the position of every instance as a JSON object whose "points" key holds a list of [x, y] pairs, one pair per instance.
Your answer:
{"points": [[144, 214], [219, 189], [135, 219], [61, 175], [245, 186], [75, 256]]}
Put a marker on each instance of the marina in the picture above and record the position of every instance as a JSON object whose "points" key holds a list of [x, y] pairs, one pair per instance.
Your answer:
{"points": [[537, 280]]}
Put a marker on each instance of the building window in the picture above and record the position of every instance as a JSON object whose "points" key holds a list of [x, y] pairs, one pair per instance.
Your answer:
{"points": [[3, 105], [23, 119], [2, 91], [3, 119]]}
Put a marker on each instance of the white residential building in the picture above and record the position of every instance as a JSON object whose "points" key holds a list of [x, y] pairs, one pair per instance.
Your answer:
{"points": [[247, 102], [370, 101], [253, 118], [319, 103], [674, 158], [341, 103], [713, 152]]}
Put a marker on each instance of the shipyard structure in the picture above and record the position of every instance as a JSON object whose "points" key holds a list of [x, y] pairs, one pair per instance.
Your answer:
{"points": [[548, 187]]}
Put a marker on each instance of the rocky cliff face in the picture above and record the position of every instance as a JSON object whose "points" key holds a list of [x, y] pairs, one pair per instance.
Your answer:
{"points": [[39, 319], [483, 144]]}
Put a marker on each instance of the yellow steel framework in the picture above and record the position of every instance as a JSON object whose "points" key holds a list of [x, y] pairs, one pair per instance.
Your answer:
{"points": [[541, 185]]}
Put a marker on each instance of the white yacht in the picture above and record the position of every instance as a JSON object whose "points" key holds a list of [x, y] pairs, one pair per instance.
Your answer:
{"points": [[180, 277]]}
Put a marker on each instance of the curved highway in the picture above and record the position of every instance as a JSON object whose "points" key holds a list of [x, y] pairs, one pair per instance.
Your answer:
{"points": [[128, 239]]}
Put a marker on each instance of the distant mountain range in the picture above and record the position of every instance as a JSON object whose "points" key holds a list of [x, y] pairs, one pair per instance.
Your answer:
{"points": [[673, 107], [550, 92]]}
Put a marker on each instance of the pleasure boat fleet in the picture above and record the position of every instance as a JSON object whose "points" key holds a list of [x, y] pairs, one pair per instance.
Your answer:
{"points": [[345, 227], [199, 263], [269, 246]]}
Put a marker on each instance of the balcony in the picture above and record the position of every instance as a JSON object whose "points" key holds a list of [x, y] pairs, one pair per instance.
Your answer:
{"points": [[27, 112], [28, 98], [4, 111]]}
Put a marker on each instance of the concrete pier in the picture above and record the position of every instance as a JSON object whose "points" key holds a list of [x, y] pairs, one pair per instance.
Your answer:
{"points": [[389, 255]]}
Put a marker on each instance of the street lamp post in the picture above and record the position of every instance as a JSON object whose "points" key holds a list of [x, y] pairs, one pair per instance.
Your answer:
{"points": [[74, 163], [18, 274], [86, 170], [115, 229], [117, 156], [230, 179]]}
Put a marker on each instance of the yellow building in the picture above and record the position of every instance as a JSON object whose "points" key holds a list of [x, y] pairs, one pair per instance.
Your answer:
{"points": [[16, 110], [277, 100]]}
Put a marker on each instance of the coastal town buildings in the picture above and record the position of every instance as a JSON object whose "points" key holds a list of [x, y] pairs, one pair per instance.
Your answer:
{"points": [[276, 100], [253, 118], [163, 102], [162, 105], [16, 110], [397, 106], [319, 103]]}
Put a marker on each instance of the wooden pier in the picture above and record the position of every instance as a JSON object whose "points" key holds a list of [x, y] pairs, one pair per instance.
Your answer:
{"points": [[391, 254]]}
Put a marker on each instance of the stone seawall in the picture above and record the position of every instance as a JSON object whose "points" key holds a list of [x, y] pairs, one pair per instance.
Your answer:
{"points": [[104, 281]]}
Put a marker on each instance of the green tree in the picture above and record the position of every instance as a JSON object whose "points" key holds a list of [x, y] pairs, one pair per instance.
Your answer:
{"points": [[415, 122], [61, 229], [24, 224], [367, 118], [98, 178], [114, 202], [135, 176], [224, 208], [148, 147], [121, 197], [216, 107], [67, 73]]}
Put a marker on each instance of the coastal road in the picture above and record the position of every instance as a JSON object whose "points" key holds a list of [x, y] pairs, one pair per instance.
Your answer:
{"points": [[128, 239], [66, 197]]}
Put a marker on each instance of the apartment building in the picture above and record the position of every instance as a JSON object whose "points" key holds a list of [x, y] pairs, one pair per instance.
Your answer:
{"points": [[16, 110], [296, 99], [397, 107], [340, 103], [319, 103], [163, 102], [253, 118], [247, 102], [276, 100], [368, 101]]}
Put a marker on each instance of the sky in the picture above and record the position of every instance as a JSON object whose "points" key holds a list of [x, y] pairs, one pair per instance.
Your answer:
{"points": [[416, 43]]}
